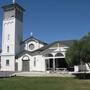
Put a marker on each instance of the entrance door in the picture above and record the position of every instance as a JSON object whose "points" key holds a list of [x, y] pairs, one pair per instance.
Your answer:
{"points": [[25, 65]]}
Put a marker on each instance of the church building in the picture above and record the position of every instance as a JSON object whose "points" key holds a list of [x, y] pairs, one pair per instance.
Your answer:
{"points": [[31, 54]]}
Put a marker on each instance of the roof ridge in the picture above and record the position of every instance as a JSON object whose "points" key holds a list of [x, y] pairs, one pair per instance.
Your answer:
{"points": [[31, 37]]}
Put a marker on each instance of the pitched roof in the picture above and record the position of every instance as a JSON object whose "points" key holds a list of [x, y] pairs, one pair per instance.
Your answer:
{"points": [[33, 38], [62, 43], [67, 42], [11, 6], [25, 52], [22, 52]]}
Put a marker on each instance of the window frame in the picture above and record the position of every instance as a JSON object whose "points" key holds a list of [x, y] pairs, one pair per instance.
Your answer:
{"points": [[7, 62], [34, 62], [7, 48], [31, 46]]}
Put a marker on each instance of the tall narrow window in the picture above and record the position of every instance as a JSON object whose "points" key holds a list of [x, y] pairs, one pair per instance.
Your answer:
{"points": [[7, 48], [7, 62], [8, 36], [35, 62]]}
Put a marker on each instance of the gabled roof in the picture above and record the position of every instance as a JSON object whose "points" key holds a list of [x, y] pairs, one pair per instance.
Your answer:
{"points": [[23, 52], [67, 43], [33, 38]]}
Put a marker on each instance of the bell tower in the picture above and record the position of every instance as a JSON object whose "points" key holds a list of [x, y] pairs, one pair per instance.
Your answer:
{"points": [[12, 35]]}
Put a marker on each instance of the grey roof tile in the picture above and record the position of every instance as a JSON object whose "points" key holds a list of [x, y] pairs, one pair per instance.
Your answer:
{"points": [[64, 43]]}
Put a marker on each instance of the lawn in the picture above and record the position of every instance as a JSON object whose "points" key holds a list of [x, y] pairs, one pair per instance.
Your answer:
{"points": [[45, 83]]}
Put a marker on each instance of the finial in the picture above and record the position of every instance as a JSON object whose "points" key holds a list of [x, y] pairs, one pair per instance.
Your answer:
{"points": [[31, 34], [13, 1]]}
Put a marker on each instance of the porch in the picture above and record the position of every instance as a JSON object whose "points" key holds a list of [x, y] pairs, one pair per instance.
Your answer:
{"points": [[55, 63]]}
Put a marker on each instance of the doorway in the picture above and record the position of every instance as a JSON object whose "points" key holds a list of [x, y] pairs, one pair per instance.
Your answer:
{"points": [[25, 65]]}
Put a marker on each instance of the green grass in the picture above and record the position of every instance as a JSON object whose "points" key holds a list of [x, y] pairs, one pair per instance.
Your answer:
{"points": [[45, 83]]}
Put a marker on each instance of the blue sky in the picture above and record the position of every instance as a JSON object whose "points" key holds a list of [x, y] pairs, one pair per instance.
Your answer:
{"points": [[52, 20]]}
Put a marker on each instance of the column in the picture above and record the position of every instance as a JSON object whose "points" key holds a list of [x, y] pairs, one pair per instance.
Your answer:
{"points": [[48, 64], [53, 64]]}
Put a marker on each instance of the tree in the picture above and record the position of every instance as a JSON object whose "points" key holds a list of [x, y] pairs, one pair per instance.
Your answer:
{"points": [[79, 52], [72, 54]]}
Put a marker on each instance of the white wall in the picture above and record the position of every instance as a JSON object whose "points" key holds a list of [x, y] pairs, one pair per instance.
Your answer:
{"points": [[8, 29], [40, 63], [13, 28], [36, 44], [76, 68], [19, 61], [87, 66], [11, 66]]}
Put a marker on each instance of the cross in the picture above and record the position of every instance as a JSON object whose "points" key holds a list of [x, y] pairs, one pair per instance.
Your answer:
{"points": [[13, 1], [31, 34]]}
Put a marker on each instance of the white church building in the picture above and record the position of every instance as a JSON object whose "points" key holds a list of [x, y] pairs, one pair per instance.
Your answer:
{"points": [[30, 54]]}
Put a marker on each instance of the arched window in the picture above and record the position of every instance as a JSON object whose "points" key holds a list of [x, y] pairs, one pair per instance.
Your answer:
{"points": [[59, 54], [25, 57], [48, 55]]}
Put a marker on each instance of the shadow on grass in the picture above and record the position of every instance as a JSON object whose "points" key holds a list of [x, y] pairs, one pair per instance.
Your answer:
{"points": [[82, 75]]}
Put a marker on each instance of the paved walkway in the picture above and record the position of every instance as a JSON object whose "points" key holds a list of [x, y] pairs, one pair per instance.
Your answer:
{"points": [[6, 74], [44, 74]]}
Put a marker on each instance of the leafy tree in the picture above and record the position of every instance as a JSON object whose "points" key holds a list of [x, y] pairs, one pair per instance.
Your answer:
{"points": [[79, 52], [72, 54]]}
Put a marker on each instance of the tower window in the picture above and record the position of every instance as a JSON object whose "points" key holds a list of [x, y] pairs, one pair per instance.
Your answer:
{"points": [[7, 62], [7, 48], [8, 36], [12, 16]]}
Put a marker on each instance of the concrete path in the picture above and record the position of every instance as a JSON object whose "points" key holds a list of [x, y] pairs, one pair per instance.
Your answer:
{"points": [[44, 74], [6, 74]]}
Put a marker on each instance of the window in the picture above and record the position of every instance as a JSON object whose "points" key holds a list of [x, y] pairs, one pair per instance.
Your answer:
{"points": [[12, 16], [35, 62], [8, 36], [7, 48], [7, 62], [31, 46]]}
